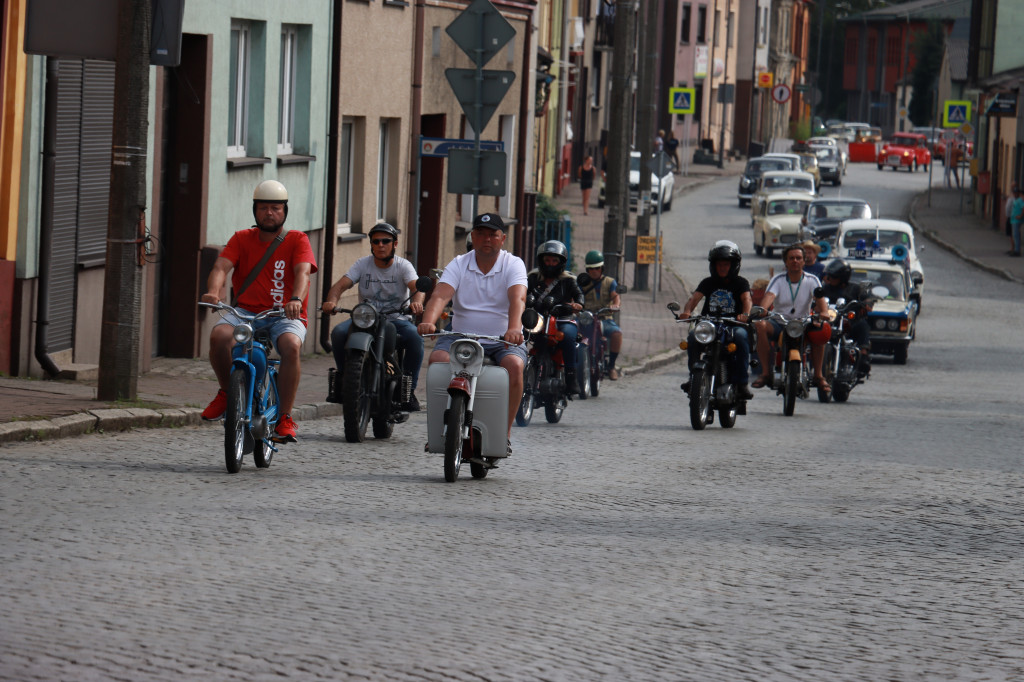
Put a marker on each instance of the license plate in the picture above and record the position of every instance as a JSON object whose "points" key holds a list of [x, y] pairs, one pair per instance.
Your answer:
{"points": [[894, 160]]}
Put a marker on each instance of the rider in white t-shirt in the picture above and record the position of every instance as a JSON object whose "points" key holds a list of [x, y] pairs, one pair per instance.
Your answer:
{"points": [[792, 294], [487, 288]]}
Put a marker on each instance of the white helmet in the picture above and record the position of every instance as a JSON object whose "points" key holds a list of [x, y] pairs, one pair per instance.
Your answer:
{"points": [[270, 191]]}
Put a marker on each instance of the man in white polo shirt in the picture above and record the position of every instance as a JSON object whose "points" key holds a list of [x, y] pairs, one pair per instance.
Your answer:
{"points": [[487, 288]]}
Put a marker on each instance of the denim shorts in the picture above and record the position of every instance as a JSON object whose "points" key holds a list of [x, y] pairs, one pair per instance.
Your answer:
{"points": [[276, 326], [608, 327], [493, 349]]}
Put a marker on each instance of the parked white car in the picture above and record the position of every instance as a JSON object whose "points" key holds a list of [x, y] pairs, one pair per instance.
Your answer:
{"points": [[661, 189]]}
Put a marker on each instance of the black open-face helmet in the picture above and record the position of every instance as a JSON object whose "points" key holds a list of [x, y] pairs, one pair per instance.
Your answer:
{"points": [[552, 248], [391, 231], [725, 250], [839, 269]]}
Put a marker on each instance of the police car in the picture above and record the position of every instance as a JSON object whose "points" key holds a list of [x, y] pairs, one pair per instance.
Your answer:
{"points": [[891, 238], [893, 319]]}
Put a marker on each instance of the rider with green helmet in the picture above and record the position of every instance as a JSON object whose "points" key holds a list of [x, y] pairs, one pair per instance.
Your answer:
{"points": [[603, 292]]}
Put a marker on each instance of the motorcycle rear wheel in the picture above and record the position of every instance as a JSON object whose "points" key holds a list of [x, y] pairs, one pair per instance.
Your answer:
{"points": [[356, 395], [700, 400], [383, 426], [525, 412], [236, 431], [263, 452], [792, 387], [453, 442]]}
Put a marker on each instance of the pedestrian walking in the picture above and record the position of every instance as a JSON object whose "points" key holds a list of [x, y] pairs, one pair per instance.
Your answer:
{"points": [[586, 173], [1016, 217]]}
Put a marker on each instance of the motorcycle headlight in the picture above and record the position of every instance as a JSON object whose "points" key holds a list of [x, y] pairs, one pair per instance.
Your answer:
{"points": [[586, 318], [242, 333], [795, 329], [363, 316], [464, 353], [704, 332]]}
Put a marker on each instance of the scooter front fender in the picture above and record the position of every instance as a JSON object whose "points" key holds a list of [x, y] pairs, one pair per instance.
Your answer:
{"points": [[458, 385], [360, 341]]}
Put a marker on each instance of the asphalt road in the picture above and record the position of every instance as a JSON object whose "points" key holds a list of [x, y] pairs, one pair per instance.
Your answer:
{"points": [[878, 539]]}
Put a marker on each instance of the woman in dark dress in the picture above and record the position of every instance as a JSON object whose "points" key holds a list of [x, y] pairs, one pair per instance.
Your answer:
{"points": [[586, 181]]}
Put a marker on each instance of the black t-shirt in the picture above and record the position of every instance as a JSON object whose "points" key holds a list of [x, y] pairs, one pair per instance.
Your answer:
{"points": [[722, 296]]}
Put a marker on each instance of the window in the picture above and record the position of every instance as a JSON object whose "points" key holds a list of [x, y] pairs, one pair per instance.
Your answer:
{"points": [[702, 24], [238, 88], [345, 178], [383, 154], [728, 29], [715, 28], [435, 42], [286, 115], [684, 27], [764, 27]]}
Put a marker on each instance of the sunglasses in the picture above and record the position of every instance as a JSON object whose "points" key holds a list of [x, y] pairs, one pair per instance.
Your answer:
{"points": [[378, 242]]}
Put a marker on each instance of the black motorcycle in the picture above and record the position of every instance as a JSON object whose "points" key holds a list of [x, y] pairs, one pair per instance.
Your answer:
{"points": [[372, 387], [711, 385], [544, 376], [842, 354]]}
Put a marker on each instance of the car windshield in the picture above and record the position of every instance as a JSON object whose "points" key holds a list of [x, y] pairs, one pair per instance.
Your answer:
{"points": [[886, 238], [764, 165], [787, 207], [836, 211], [893, 281], [826, 154], [795, 183], [904, 140]]}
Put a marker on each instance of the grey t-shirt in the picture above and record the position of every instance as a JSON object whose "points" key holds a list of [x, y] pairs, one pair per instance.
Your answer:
{"points": [[383, 288]]}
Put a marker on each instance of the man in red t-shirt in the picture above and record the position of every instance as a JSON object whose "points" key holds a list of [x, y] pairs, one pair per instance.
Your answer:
{"points": [[282, 282]]}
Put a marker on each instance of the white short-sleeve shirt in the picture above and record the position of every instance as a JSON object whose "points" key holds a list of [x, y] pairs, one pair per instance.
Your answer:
{"points": [[793, 300], [480, 304]]}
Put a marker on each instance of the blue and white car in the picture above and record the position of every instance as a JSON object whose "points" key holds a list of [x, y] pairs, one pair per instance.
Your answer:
{"points": [[893, 318]]}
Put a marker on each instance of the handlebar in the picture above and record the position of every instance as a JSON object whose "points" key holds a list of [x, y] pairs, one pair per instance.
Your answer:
{"points": [[242, 314], [469, 335]]}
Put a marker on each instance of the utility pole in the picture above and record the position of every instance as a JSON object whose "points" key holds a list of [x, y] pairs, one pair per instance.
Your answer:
{"points": [[126, 229], [645, 125], [616, 185]]}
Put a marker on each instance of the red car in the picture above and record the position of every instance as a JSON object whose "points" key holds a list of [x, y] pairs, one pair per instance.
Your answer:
{"points": [[939, 147], [905, 150]]}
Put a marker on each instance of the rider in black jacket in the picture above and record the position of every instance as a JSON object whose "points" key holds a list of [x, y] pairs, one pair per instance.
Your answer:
{"points": [[837, 285], [551, 279]]}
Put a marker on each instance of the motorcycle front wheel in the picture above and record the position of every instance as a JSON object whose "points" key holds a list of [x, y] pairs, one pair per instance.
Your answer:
{"points": [[235, 428], [453, 442], [262, 452], [356, 391], [792, 387], [700, 400], [583, 376], [596, 374], [525, 412]]}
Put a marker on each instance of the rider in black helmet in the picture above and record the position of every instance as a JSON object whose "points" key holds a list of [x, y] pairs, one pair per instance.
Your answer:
{"points": [[551, 280], [836, 278], [724, 293]]}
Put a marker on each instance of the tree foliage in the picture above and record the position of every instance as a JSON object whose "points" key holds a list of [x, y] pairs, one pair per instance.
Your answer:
{"points": [[927, 48]]}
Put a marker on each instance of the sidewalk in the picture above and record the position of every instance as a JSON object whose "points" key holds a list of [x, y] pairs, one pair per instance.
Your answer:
{"points": [[174, 392]]}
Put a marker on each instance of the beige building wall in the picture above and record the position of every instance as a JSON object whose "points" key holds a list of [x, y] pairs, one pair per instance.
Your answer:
{"points": [[440, 53]]}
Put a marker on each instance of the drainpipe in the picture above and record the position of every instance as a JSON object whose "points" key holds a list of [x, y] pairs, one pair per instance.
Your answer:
{"points": [[46, 220], [331, 196], [415, 127]]}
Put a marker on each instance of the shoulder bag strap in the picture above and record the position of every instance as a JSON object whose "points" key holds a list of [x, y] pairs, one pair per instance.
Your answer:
{"points": [[255, 272]]}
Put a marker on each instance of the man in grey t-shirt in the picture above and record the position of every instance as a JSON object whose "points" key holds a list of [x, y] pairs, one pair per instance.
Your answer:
{"points": [[384, 282]]}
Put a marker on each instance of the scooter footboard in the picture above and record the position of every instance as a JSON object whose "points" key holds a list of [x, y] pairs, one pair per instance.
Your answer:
{"points": [[490, 410]]}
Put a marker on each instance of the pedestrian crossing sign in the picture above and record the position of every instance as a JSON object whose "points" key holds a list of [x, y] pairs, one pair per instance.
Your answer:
{"points": [[955, 113], [682, 100]]}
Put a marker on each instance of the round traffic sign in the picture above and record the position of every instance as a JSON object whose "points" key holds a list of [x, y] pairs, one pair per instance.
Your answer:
{"points": [[781, 93]]}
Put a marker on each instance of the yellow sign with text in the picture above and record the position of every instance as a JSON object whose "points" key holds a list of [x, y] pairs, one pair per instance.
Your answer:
{"points": [[647, 251]]}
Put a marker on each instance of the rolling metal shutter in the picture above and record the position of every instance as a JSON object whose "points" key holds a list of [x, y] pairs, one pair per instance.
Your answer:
{"points": [[81, 190]]}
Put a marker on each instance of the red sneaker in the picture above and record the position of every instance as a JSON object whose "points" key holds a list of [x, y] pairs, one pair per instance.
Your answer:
{"points": [[215, 410], [285, 431]]}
